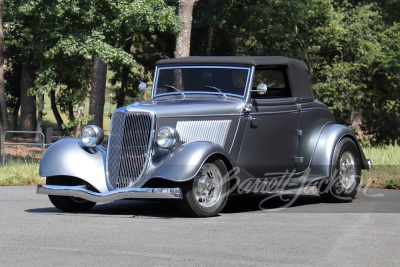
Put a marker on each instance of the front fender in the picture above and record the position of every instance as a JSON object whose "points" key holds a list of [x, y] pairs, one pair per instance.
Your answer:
{"points": [[70, 157], [321, 162], [184, 163]]}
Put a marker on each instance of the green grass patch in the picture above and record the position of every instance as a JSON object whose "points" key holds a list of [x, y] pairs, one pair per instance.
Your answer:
{"points": [[393, 184], [386, 170], [20, 172]]}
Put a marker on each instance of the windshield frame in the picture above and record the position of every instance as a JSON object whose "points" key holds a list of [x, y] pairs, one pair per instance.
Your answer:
{"points": [[158, 68]]}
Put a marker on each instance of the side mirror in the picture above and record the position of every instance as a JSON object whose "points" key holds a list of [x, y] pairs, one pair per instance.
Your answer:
{"points": [[142, 86], [261, 89]]}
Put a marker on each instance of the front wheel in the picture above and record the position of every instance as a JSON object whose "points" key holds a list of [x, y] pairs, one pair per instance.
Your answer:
{"points": [[67, 203], [345, 175], [207, 194]]}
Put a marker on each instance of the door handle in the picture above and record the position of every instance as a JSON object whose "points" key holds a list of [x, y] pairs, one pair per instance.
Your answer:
{"points": [[251, 118]]}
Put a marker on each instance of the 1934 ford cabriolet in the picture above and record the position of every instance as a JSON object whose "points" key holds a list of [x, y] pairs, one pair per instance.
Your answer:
{"points": [[213, 126]]}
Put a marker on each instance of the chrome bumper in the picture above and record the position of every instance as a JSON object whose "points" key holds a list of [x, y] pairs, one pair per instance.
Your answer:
{"points": [[369, 164], [140, 193]]}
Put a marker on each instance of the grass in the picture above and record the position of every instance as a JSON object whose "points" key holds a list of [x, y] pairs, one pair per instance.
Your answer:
{"points": [[386, 170], [385, 173], [20, 172]]}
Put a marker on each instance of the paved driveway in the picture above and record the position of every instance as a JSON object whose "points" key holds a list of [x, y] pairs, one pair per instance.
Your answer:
{"points": [[134, 233]]}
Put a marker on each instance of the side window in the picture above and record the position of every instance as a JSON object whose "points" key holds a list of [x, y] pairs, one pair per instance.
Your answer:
{"points": [[275, 79]]}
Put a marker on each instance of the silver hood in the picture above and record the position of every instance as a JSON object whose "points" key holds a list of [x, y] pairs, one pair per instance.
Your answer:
{"points": [[190, 106]]}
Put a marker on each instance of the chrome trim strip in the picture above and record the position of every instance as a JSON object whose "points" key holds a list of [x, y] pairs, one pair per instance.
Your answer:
{"points": [[142, 193], [201, 116], [275, 112], [234, 138], [215, 131], [250, 85], [183, 66]]}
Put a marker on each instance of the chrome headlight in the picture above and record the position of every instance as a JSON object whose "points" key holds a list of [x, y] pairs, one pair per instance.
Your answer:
{"points": [[167, 137], [92, 135]]}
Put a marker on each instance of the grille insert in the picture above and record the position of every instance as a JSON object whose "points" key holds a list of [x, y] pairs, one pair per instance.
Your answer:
{"points": [[128, 147]]}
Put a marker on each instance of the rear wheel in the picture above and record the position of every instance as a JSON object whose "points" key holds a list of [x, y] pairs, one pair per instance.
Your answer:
{"points": [[345, 175], [207, 193], [67, 203]]}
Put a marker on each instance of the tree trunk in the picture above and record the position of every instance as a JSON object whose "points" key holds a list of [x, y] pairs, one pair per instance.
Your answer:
{"points": [[54, 108], [14, 116], [185, 13], [28, 102], [80, 113], [210, 40], [124, 87], [39, 127], [309, 66], [3, 103], [124, 78], [97, 95], [71, 116], [356, 121]]}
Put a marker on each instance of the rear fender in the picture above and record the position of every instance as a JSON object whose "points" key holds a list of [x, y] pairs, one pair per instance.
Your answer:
{"points": [[70, 157], [321, 162]]}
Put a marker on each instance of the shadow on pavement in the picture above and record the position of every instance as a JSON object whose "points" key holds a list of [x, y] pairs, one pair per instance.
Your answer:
{"points": [[380, 201]]}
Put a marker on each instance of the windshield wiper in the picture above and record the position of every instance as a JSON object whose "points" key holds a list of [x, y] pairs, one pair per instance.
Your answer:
{"points": [[176, 89], [216, 88]]}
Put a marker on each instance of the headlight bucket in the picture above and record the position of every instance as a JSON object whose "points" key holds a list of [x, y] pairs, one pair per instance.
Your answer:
{"points": [[167, 137], [92, 135]]}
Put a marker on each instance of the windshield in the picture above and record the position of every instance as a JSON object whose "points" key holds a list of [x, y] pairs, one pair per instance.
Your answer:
{"points": [[202, 79]]}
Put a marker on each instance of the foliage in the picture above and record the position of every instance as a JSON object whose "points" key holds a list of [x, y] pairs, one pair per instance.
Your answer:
{"points": [[61, 37], [352, 53], [393, 184], [351, 47]]}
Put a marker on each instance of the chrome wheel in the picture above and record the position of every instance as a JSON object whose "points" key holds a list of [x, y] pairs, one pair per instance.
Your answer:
{"points": [[342, 185], [347, 170], [207, 185]]}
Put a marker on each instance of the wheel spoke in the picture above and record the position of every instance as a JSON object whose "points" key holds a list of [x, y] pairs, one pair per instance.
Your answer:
{"points": [[347, 170], [208, 185]]}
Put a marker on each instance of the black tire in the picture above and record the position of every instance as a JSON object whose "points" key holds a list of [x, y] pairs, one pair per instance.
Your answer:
{"points": [[67, 203], [344, 182], [212, 199]]}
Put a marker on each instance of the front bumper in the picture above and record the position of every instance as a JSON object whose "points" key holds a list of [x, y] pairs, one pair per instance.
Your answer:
{"points": [[138, 193]]}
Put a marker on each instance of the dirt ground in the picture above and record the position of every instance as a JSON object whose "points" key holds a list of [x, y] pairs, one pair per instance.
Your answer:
{"points": [[26, 149]]}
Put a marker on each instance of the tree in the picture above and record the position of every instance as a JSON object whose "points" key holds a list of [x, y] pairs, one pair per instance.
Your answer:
{"points": [[3, 104], [352, 53], [185, 14], [97, 94], [28, 101], [76, 33]]}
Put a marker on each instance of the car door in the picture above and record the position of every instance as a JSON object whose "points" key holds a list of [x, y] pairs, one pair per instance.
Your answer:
{"points": [[271, 137]]}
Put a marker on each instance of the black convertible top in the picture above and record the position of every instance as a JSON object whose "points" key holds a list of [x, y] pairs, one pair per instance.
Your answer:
{"points": [[297, 69]]}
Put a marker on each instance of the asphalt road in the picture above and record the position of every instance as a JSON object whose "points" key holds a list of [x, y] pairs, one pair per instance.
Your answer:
{"points": [[135, 233]]}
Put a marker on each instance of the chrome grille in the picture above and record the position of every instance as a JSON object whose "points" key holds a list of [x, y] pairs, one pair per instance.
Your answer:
{"points": [[128, 146]]}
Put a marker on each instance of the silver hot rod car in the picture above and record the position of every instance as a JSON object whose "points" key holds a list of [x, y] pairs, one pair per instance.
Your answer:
{"points": [[213, 126]]}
